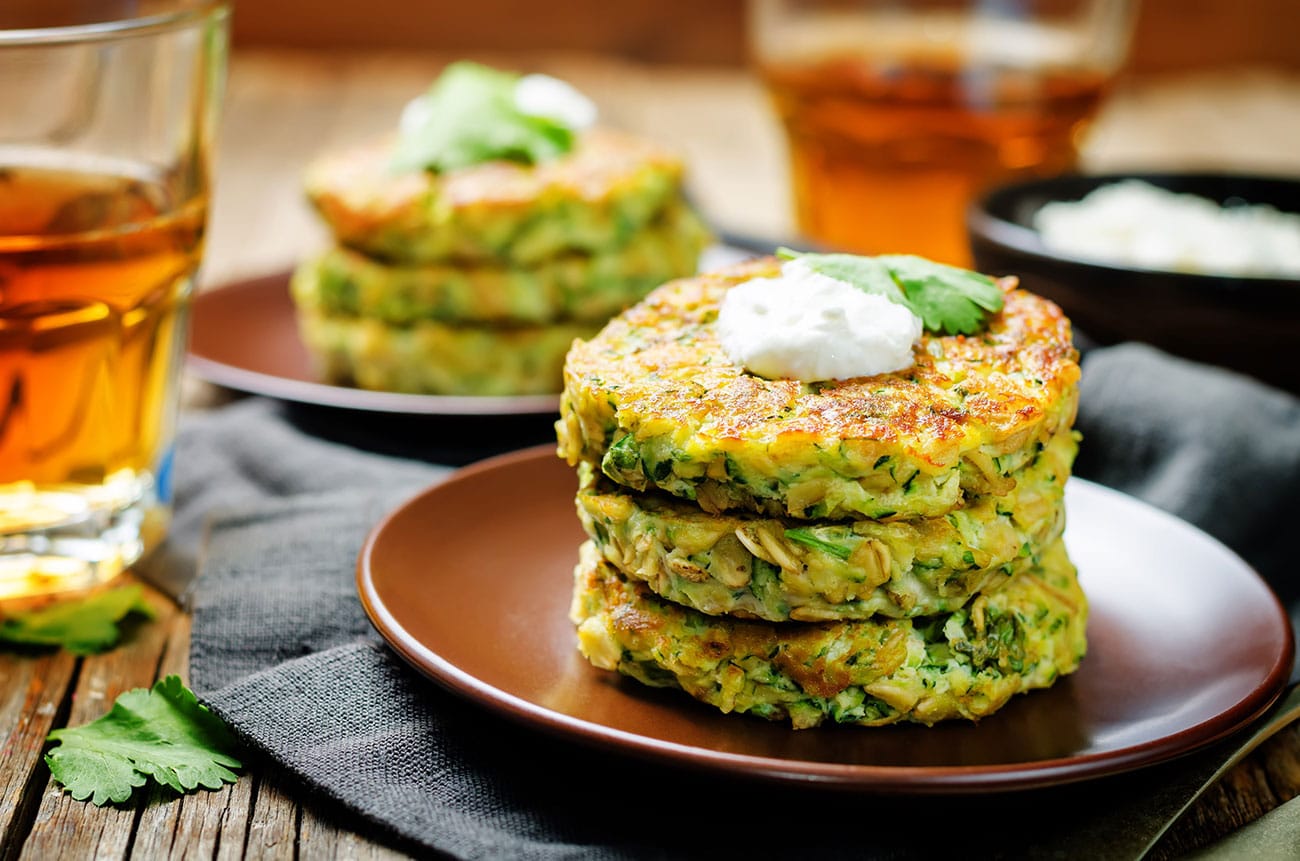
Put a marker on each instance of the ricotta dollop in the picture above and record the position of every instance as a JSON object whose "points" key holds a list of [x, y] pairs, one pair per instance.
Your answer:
{"points": [[807, 326], [535, 95], [544, 96], [1134, 223]]}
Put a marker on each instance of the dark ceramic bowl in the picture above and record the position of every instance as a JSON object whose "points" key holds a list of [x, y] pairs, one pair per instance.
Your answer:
{"points": [[1247, 324]]}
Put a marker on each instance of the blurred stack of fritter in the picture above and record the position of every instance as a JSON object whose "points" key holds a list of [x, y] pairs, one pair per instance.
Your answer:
{"points": [[475, 281], [864, 551]]}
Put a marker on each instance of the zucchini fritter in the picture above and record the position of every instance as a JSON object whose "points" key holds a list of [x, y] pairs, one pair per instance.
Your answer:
{"points": [[573, 286], [437, 358], [597, 196], [964, 664], [779, 570], [654, 401]]}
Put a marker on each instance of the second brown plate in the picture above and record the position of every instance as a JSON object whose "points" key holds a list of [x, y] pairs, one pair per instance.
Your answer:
{"points": [[244, 336], [470, 582]]}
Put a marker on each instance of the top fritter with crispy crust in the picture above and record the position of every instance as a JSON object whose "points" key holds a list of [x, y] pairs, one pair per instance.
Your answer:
{"points": [[655, 402], [595, 197]]}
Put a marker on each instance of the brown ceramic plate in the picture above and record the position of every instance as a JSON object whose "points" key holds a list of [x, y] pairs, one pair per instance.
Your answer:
{"points": [[244, 336], [470, 583]]}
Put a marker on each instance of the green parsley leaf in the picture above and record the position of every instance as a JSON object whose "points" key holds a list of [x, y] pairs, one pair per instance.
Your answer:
{"points": [[470, 117], [164, 733], [83, 626], [947, 299]]}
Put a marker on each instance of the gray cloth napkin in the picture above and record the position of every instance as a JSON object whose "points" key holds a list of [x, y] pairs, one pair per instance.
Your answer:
{"points": [[282, 650]]}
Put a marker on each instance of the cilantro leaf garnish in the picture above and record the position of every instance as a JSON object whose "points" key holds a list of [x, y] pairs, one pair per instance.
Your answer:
{"points": [[469, 116], [164, 733], [948, 300], [81, 626]]}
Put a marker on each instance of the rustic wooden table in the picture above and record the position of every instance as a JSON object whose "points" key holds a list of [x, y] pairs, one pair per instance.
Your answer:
{"points": [[282, 108]]}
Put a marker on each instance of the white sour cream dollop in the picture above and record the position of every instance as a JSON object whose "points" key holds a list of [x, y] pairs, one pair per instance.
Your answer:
{"points": [[810, 327], [535, 95], [1134, 223], [544, 96]]}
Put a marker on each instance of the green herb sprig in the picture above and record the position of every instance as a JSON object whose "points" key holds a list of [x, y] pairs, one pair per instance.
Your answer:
{"points": [[469, 116], [163, 733], [82, 626], [949, 300]]}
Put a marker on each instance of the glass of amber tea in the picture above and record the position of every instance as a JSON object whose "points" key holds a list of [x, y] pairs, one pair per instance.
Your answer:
{"points": [[898, 113], [107, 113]]}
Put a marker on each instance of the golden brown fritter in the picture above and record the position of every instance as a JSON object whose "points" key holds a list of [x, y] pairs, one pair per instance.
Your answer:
{"points": [[654, 401], [432, 358], [589, 286], [595, 197], [965, 664], [779, 569]]}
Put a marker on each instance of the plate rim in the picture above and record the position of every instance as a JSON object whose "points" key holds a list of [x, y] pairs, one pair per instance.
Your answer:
{"points": [[920, 780]]}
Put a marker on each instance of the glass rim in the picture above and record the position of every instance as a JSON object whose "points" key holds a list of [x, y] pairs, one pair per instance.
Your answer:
{"points": [[122, 28]]}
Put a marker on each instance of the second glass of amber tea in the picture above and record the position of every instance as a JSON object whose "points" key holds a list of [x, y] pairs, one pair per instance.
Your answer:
{"points": [[898, 113], [107, 113]]}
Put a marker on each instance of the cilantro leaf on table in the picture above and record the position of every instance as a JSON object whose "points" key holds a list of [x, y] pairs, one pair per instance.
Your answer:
{"points": [[82, 626], [948, 300], [469, 116], [164, 733]]}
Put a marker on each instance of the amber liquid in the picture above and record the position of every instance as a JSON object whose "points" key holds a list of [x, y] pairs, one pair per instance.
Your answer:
{"points": [[95, 274], [886, 157]]}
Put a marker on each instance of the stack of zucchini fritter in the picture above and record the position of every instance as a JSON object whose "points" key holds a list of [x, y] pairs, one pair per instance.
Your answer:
{"points": [[476, 281], [864, 551]]}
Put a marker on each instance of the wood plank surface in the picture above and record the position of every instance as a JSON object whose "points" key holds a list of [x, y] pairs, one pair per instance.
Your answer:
{"points": [[64, 828], [273, 824], [33, 693], [319, 837], [202, 825]]}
